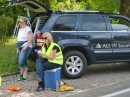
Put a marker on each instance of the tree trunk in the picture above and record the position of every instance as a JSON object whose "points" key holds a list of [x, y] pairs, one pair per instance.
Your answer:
{"points": [[125, 8], [46, 2]]}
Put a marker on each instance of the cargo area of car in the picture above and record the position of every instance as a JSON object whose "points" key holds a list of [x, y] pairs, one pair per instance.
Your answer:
{"points": [[38, 22]]}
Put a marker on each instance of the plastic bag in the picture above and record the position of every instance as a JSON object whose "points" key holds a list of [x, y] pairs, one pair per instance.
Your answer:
{"points": [[65, 87]]}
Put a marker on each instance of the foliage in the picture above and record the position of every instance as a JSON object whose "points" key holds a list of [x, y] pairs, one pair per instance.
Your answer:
{"points": [[111, 6], [66, 5], [5, 24], [100, 5]]}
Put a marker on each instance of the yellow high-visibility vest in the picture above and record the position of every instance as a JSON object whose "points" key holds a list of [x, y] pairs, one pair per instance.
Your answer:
{"points": [[59, 56]]}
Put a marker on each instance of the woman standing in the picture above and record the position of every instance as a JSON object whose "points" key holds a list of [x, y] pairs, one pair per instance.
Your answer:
{"points": [[24, 47], [52, 58]]}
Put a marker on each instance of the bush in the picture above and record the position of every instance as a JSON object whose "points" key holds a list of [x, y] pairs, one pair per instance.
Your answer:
{"points": [[5, 24]]}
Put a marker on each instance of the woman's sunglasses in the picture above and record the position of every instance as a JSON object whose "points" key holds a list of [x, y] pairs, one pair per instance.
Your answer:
{"points": [[44, 38]]}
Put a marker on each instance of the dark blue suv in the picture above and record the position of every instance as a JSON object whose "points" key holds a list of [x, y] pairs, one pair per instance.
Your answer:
{"points": [[86, 37]]}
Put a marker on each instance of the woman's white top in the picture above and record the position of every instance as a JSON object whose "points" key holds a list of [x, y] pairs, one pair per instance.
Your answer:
{"points": [[23, 35]]}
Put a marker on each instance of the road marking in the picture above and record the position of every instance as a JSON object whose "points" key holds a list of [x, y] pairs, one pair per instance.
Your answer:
{"points": [[117, 93]]}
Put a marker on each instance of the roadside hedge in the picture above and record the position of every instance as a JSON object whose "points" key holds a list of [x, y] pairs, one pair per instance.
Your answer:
{"points": [[6, 23]]}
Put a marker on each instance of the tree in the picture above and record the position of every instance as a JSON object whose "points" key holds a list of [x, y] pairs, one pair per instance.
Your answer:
{"points": [[125, 7], [5, 24], [46, 2], [111, 6]]}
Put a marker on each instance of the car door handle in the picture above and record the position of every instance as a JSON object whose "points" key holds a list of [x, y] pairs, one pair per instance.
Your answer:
{"points": [[85, 36], [118, 37]]}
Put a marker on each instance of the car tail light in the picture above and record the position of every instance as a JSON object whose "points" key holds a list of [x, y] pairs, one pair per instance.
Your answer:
{"points": [[39, 40]]}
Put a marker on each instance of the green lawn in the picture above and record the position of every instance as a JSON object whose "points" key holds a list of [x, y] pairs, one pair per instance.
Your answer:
{"points": [[8, 61]]}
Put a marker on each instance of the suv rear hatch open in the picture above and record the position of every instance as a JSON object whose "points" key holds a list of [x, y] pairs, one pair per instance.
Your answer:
{"points": [[31, 4]]}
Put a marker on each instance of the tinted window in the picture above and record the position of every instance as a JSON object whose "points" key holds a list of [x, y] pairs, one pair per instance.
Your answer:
{"points": [[119, 24], [93, 23], [65, 23]]}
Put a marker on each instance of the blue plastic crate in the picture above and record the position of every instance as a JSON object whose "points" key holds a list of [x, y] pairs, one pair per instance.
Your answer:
{"points": [[50, 77]]}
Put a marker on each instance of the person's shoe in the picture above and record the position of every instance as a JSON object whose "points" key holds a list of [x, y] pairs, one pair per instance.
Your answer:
{"points": [[37, 77], [20, 77], [39, 89], [24, 79]]}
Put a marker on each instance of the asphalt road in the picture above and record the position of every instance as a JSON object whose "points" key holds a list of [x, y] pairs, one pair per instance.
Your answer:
{"points": [[119, 89]]}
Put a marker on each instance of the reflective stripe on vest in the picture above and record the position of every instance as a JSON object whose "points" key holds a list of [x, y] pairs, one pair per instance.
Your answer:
{"points": [[59, 56]]}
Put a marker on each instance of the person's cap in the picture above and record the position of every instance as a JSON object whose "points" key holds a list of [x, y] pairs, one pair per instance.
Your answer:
{"points": [[22, 19]]}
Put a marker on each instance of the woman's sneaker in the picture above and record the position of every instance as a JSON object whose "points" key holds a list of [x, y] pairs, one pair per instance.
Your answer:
{"points": [[20, 77], [39, 89], [37, 77], [24, 79]]}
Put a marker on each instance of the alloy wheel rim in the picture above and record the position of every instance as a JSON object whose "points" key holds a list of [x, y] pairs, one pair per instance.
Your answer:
{"points": [[74, 65]]}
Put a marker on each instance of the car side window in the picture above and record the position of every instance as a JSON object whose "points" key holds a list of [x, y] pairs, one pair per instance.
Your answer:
{"points": [[93, 23], [65, 23], [119, 24]]}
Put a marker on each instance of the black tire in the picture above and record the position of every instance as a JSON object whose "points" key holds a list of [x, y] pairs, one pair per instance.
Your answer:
{"points": [[69, 69]]}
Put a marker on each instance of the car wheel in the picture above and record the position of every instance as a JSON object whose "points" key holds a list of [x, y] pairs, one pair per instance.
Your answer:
{"points": [[75, 64]]}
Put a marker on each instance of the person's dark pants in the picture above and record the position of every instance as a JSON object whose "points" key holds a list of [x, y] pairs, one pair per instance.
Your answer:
{"points": [[41, 66]]}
